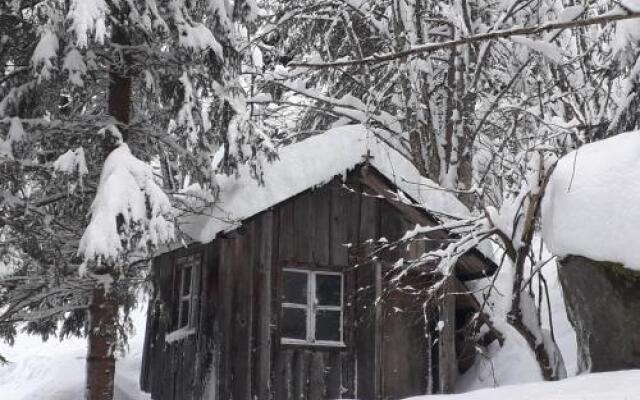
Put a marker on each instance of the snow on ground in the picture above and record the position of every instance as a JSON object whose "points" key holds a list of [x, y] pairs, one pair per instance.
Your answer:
{"points": [[620, 385], [586, 186], [310, 163], [514, 362], [55, 370]]}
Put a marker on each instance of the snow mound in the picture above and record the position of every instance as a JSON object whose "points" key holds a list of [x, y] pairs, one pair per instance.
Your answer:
{"points": [[514, 363], [591, 206], [620, 385], [311, 163]]}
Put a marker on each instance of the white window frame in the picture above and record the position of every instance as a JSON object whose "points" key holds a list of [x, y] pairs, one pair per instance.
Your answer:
{"points": [[312, 307], [194, 263], [185, 298]]}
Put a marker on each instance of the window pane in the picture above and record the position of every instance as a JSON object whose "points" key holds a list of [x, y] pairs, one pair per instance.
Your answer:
{"points": [[328, 289], [294, 323], [295, 287], [186, 281], [328, 325], [184, 317]]}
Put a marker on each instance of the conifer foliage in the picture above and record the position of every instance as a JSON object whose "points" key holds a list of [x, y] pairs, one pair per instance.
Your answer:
{"points": [[109, 109]]}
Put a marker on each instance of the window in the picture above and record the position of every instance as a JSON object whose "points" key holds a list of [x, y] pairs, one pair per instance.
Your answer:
{"points": [[185, 283], [312, 307]]}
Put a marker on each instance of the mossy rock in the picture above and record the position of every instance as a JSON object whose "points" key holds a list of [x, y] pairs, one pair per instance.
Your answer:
{"points": [[603, 304]]}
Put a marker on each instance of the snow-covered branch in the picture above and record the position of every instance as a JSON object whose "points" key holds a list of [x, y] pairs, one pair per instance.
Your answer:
{"points": [[499, 34]]}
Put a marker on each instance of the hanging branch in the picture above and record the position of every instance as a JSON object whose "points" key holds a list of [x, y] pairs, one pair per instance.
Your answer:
{"points": [[431, 47]]}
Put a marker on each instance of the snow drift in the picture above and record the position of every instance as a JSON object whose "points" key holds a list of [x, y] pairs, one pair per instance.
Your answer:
{"points": [[621, 385]]}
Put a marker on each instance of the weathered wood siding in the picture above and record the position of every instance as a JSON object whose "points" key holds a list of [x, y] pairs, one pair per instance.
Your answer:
{"points": [[239, 310], [177, 370], [312, 231]]}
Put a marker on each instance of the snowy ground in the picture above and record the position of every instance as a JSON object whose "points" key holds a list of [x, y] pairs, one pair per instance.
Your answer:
{"points": [[622, 385], [514, 363], [55, 370]]}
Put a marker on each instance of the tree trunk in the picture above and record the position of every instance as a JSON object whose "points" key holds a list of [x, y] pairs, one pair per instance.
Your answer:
{"points": [[101, 363], [103, 311], [550, 370]]}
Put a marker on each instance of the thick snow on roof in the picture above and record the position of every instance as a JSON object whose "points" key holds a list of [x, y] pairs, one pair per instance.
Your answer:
{"points": [[311, 163], [592, 205]]}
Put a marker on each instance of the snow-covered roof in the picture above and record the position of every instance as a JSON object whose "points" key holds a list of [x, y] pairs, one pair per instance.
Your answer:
{"points": [[312, 163], [592, 203]]}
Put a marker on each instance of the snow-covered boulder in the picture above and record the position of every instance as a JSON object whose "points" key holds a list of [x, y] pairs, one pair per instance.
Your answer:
{"points": [[591, 220], [592, 205]]}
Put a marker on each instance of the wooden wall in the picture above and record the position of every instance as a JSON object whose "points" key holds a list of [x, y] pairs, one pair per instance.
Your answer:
{"points": [[177, 370], [239, 309]]}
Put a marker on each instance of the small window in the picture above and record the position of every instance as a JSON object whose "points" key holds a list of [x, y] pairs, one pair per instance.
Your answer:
{"points": [[186, 274], [312, 307]]}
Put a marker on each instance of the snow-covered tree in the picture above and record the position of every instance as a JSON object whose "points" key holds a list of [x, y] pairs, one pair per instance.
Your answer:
{"points": [[482, 96], [109, 109]]}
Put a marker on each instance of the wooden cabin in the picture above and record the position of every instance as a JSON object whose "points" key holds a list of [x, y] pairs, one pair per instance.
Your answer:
{"points": [[284, 306]]}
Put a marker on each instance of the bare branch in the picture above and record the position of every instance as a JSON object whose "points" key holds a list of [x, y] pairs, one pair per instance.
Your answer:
{"points": [[431, 47]]}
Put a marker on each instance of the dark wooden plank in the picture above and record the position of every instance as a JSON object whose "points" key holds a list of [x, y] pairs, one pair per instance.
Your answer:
{"points": [[347, 360], [345, 369], [365, 342], [333, 377], [348, 378], [186, 374], [321, 240], [304, 227], [226, 260], [392, 227], [177, 369], [300, 369], [316, 376], [152, 351], [286, 386], [364, 288], [242, 309], [286, 251], [208, 335], [404, 372], [340, 213], [263, 299], [281, 358], [164, 377], [378, 331], [447, 363]]}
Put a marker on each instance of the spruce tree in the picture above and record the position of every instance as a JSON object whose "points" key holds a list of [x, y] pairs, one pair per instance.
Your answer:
{"points": [[111, 113]]}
